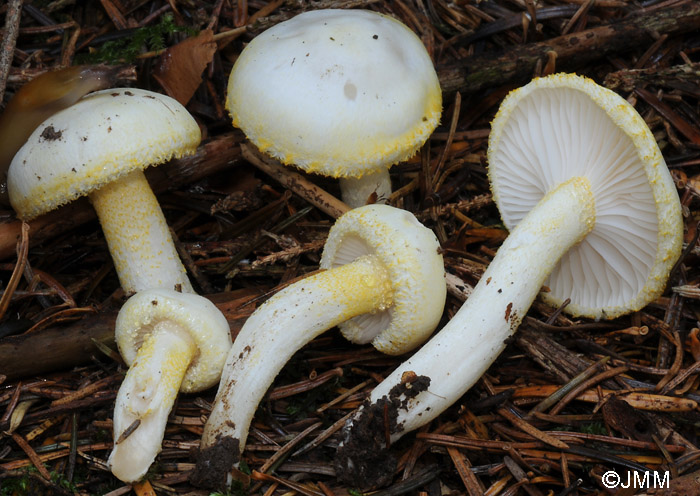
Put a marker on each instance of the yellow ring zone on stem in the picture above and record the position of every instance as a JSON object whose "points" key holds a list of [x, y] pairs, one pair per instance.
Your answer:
{"points": [[160, 366], [364, 286]]}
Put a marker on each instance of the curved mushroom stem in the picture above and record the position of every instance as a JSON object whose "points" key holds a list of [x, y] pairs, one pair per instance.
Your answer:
{"points": [[146, 397], [355, 191], [457, 356], [279, 328], [138, 236]]}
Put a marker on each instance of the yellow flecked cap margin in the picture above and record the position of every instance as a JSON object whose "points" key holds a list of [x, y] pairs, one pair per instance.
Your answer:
{"points": [[563, 126], [410, 253], [194, 314], [104, 136], [338, 92]]}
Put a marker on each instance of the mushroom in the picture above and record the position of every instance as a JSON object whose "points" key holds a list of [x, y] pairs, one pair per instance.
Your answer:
{"points": [[171, 341], [384, 283], [593, 214], [42, 97], [99, 148], [343, 93]]}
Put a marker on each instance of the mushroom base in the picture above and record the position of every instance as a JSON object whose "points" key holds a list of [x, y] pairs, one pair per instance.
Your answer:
{"points": [[365, 460], [145, 399], [213, 464]]}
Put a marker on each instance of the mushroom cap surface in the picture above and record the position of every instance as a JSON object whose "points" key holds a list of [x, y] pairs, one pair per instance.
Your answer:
{"points": [[195, 314], [410, 253], [338, 92], [104, 136], [562, 126]]}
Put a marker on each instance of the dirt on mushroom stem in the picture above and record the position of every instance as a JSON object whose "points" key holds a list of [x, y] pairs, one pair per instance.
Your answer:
{"points": [[366, 457], [212, 464]]}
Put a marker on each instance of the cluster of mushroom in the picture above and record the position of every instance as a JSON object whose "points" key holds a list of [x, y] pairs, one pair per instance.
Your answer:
{"points": [[575, 172], [594, 216], [359, 121]]}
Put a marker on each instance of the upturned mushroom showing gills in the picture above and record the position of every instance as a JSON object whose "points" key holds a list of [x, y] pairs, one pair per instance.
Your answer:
{"points": [[343, 93], [593, 214], [42, 97], [384, 284], [99, 148]]}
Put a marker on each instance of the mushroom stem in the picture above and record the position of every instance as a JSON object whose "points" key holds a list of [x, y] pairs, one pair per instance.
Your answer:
{"points": [[356, 191], [460, 353], [172, 342], [280, 327], [146, 397], [138, 236]]}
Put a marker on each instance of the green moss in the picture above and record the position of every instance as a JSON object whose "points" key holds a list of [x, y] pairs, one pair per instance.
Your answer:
{"points": [[145, 39], [26, 485], [61, 481], [594, 428], [243, 467]]}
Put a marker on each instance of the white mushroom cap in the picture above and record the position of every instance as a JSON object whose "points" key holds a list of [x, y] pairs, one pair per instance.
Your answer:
{"points": [[104, 136], [563, 126], [206, 325], [338, 92], [410, 252]]}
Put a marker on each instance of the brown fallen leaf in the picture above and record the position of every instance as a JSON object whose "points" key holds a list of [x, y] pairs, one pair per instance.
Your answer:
{"points": [[179, 69]]}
